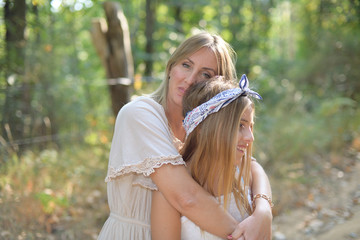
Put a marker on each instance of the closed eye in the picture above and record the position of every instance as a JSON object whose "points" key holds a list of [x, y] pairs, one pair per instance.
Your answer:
{"points": [[207, 75], [186, 65]]}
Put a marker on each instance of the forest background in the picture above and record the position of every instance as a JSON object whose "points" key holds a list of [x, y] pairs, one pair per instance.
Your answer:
{"points": [[56, 120]]}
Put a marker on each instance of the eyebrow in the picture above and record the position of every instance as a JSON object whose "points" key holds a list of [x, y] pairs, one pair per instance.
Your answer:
{"points": [[206, 68], [244, 120]]}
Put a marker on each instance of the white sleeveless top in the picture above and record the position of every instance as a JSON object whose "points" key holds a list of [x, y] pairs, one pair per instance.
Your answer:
{"points": [[190, 231]]}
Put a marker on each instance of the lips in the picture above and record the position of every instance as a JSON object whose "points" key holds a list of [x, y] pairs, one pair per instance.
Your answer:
{"points": [[182, 90]]}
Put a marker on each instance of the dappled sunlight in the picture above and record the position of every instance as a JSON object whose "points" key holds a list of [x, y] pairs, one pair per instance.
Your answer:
{"points": [[56, 118]]}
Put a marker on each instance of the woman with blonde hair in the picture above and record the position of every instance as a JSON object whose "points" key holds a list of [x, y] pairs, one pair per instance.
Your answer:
{"points": [[144, 153]]}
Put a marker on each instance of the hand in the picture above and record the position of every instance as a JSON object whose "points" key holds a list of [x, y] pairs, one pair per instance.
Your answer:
{"points": [[257, 226], [241, 238]]}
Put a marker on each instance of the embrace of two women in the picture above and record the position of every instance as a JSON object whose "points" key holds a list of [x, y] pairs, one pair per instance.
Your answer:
{"points": [[180, 164]]}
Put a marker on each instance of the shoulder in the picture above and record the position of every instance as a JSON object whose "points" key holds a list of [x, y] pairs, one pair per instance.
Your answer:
{"points": [[142, 110], [140, 106]]}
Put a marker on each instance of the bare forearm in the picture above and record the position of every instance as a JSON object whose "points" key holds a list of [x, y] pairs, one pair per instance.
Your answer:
{"points": [[165, 220], [209, 215], [192, 201]]}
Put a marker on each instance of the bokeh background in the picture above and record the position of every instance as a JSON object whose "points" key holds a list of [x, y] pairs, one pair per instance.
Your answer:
{"points": [[303, 56]]}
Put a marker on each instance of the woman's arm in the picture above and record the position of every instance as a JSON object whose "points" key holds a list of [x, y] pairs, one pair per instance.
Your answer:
{"points": [[165, 220], [192, 201], [258, 225], [260, 183]]}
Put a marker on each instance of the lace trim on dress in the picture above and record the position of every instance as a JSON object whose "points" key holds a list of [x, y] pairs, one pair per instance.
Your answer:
{"points": [[146, 167], [145, 182]]}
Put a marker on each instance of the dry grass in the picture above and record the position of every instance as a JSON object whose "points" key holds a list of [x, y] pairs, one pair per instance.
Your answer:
{"points": [[49, 195]]}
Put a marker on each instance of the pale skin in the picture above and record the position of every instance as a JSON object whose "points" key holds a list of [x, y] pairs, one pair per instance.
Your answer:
{"points": [[183, 194]]}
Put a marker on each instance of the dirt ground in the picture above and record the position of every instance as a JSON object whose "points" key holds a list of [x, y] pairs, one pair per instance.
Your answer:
{"points": [[330, 208]]}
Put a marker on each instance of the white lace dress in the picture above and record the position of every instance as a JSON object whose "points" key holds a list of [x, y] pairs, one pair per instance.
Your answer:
{"points": [[141, 143], [190, 231]]}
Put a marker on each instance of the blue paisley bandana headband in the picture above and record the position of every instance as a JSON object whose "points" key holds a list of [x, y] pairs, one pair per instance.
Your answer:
{"points": [[198, 114]]}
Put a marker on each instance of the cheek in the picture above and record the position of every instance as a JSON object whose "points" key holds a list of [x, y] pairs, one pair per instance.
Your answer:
{"points": [[175, 72], [238, 137], [179, 73], [173, 77]]}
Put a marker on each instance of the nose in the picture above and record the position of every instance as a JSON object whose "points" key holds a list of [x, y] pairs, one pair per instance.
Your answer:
{"points": [[248, 135], [191, 78]]}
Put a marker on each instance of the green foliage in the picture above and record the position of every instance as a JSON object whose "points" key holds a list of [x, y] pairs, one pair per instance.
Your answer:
{"points": [[49, 202], [302, 56], [295, 127]]}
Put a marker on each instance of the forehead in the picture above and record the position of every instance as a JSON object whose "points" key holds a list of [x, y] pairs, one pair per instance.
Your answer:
{"points": [[248, 115], [205, 58]]}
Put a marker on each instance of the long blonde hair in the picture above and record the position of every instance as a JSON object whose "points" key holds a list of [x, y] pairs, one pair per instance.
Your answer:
{"points": [[211, 148], [224, 53]]}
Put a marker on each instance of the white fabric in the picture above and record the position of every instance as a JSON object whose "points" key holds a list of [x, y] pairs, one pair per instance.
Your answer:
{"points": [[141, 143], [190, 230]]}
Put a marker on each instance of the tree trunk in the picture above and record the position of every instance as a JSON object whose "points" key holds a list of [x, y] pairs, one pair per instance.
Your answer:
{"points": [[178, 19], [149, 30], [12, 123], [112, 42]]}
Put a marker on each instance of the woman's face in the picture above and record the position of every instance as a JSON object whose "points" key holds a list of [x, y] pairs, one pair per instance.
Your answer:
{"points": [[245, 133], [201, 65]]}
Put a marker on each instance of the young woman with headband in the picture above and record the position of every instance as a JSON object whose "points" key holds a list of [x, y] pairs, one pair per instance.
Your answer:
{"points": [[218, 151]]}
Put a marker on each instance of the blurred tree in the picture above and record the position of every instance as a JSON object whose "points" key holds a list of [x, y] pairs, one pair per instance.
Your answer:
{"points": [[328, 47], [17, 94], [149, 31], [178, 18], [112, 42], [294, 50]]}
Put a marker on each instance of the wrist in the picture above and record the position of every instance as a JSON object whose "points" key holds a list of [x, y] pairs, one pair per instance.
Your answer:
{"points": [[261, 196], [263, 208]]}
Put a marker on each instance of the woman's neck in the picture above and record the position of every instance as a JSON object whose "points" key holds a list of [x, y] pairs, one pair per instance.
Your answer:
{"points": [[175, 118]]}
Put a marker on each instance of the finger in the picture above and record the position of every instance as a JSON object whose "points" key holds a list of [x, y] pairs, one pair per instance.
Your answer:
{"points": [[238, 232], [241, 238]]}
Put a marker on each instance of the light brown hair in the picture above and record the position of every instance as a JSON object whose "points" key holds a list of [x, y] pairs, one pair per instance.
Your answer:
{"points": [[211, 148]]}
